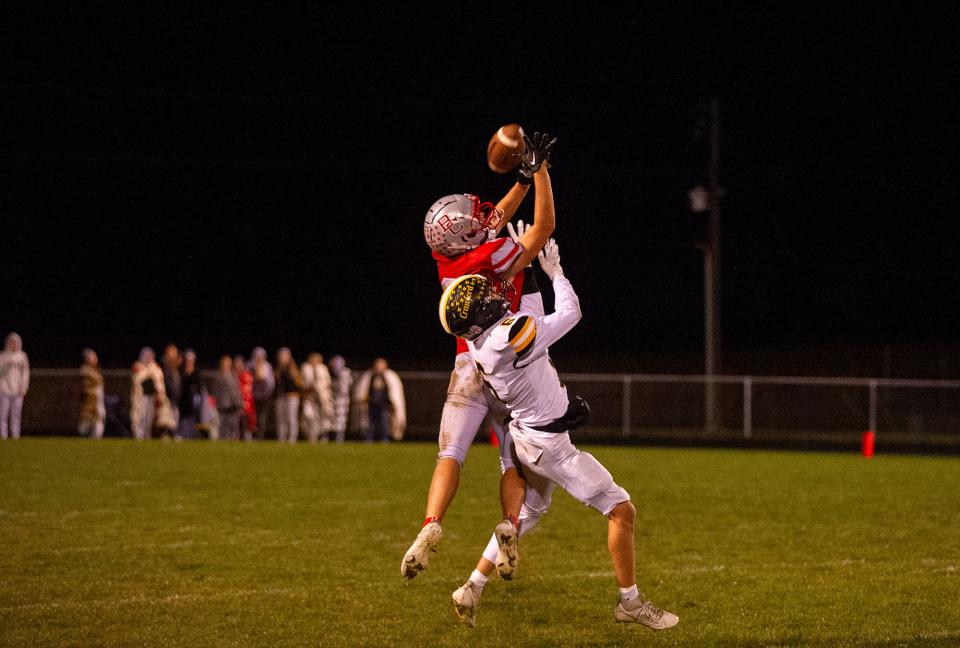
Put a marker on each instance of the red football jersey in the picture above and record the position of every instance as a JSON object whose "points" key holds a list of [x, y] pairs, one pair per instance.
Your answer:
{"points": [[493, 256]]}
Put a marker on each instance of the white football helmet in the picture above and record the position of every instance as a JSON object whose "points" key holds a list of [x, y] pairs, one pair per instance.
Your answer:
{"points": [[460, 222]]}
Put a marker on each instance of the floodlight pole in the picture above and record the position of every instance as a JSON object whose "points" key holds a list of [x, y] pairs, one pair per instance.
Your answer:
{"points": [[711, 276]]}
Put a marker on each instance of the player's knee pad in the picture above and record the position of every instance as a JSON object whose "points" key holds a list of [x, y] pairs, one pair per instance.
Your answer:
{"points": [[588, 481], [528, 518], [466, 401], [466, 384], [537, 499], [535, 503], [530, 515], [458, 427], [508, 456]]}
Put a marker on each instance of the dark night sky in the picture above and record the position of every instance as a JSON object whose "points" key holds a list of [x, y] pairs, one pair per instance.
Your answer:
{"points": [[229, 180]]}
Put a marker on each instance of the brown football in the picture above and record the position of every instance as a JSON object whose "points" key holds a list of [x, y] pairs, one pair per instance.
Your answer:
{"points": [[505, 148]]}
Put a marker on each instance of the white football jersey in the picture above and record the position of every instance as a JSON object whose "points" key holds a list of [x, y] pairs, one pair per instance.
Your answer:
{"points": [[513, 356]]}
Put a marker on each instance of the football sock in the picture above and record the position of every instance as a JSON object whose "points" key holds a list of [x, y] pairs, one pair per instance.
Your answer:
{"points": [[478, 579], [490, 552], [629, 593], [428, 520]]}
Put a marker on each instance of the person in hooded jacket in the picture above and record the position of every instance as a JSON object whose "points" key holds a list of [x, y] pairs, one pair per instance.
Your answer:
{"points": [[147, 391], [14, 383]]}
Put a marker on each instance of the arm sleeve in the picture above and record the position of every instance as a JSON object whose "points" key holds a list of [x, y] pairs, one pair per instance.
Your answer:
{"points": [[504, 255], [26, 375], [531, 301], [552, 327], [565, 315], [533, 304]]}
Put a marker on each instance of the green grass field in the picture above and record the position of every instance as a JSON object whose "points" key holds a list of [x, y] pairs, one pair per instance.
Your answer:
{"points": [[117, 543]]}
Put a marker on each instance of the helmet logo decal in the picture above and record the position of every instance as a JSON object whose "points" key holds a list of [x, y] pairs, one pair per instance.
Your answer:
{"points": [[464, 298], [445, 223]]}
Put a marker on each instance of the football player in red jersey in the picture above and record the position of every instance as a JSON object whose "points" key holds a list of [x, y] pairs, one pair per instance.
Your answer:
{"points": [[462, 232]]}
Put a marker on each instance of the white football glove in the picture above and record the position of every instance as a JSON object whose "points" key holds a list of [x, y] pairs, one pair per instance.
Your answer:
{"points": [[550, 260], [515, 234]]}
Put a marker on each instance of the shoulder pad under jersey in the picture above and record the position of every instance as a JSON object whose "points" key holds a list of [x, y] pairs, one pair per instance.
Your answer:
{"points": [[518, 334]]}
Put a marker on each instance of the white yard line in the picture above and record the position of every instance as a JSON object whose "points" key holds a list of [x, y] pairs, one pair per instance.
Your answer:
{"points": [[171, 598], [177, 544]]}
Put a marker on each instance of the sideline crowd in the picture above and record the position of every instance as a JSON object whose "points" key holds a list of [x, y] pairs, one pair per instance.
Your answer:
{"points": [[171, 399]]}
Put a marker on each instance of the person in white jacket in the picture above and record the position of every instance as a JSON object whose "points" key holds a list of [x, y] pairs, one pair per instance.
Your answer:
{"points": [[317, 399], [380, 393], [14, 383], [146, 392], [341, 383]]}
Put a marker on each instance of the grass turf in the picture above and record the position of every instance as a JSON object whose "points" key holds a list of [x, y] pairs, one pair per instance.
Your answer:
{"points": [[118, 543]]}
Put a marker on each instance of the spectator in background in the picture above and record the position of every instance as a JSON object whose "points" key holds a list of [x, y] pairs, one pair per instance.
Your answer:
{"points": [[380, 389], [341, 380], [263, 386], [317, 399], [191, 397], [209, 418], [288, 397], [92, 409], [248, 415], [145, 392], [171, 384], [226, 391], [14, 383]]}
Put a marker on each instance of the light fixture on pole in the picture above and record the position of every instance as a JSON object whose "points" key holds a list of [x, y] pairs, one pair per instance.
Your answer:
{"points": [[707, 199]]}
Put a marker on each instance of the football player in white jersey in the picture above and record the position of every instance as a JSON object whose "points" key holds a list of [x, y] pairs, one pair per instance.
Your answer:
{"points": [[511, 351]]}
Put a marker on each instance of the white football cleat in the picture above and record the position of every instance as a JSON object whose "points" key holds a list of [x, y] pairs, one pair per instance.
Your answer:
{"points": [[508, 554], [647, 614], [466, 602], [418, 555]]}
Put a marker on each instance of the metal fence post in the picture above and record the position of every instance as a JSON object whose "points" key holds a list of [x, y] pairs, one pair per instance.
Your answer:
{"points": [[747, 407], [625, 413], [872, 385]]}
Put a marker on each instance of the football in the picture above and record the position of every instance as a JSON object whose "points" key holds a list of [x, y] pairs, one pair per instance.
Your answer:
{"points": [[505, 148]]}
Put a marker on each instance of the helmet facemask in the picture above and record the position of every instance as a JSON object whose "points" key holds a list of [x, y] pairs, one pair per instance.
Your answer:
{"points": [[483, 223], [499, 290], [487, 215]]}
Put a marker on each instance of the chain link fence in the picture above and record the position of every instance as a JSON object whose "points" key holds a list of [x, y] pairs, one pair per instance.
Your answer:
{"points": [[763, 410], [640, 408]]}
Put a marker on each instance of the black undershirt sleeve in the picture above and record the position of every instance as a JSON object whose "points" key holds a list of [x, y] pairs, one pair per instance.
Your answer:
{"points": [[529, 281]]}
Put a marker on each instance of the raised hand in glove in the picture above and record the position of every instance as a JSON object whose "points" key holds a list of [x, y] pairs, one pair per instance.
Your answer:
{"points": [[517, 234], [550, 260], [539, 148]]}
